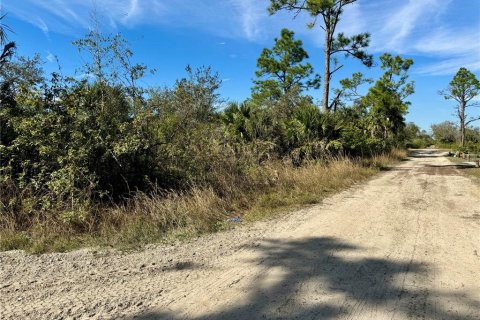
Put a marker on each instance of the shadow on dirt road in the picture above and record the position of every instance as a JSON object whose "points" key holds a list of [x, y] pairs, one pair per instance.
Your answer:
{"points": [[313, 267]]}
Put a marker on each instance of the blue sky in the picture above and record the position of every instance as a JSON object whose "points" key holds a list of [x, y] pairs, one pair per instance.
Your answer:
{"points": [[440, 35]]}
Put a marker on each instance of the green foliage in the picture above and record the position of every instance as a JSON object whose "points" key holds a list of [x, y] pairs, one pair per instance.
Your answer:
{"points": [[109, 60], [272, 127], [196, 97], [72, 152], [313, 7], [349, 91], [463, 88], [445, 132], [353, 46], [414, 137], [69, 142], [386, 99], [243, 122], [329, 12], [472, 136], [280, 69]]}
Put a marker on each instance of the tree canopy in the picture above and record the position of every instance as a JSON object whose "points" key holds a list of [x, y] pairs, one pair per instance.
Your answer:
{"points": [[282, 69], [327, 14], [463, 88]]}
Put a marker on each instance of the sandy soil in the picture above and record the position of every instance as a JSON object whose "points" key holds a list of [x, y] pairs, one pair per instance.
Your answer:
{"points": [[405, 245]]}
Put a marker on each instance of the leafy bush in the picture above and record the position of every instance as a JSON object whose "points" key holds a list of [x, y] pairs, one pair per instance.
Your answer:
{"points": [[102, 157]]}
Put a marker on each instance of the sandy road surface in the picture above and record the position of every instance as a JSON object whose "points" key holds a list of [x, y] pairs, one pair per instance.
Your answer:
{"points": [[405, 245]]}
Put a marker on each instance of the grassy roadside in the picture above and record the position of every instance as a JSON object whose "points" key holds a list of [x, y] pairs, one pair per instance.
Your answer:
{"points": [[470, 172], [274, 189]]}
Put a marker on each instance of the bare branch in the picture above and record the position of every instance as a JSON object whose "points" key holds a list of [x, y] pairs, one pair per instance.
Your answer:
{"points": [[335, 70], [471, 120]]}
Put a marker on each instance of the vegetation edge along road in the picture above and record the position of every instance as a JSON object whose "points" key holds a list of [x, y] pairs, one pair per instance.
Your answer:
{"points": [[282, 189], [388, 247], [96, 156]]}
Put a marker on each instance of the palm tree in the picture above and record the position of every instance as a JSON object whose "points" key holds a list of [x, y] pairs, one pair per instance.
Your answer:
{"points": [[8, 47]]}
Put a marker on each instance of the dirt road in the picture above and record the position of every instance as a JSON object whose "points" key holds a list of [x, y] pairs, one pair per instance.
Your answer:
{"points": [[405, 245]]}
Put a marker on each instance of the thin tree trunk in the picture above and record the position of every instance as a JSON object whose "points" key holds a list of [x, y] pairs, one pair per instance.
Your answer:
{"points": [[462, 134], [462, 124], [326, 77]]}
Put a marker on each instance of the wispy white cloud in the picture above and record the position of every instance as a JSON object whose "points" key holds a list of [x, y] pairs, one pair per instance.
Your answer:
{"points": [[229, 18], [454, 48], [354, 19], [450, 66], [42, 25], [422, 28], [391, 23], [450, 42], [73, 16], [400, 25], [410, 27], [58, 9], [50, 57], [250, 14]]}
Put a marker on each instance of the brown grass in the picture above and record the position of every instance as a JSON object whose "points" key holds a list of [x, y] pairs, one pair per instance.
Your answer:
{"points": [[266, 191], [307, 185]]}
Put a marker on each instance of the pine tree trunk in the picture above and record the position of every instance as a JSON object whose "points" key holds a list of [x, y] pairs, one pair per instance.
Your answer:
{"points": [[462, 125], [326, 76]]}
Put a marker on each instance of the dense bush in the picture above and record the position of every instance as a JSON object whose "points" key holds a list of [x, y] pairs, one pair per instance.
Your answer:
{"points": [[447, 135], [72, 150]]}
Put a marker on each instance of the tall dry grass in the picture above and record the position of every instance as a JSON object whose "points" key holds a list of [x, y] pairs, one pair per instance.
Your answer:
{"points": [[149, 218], [307, 185], [261, 192]]}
